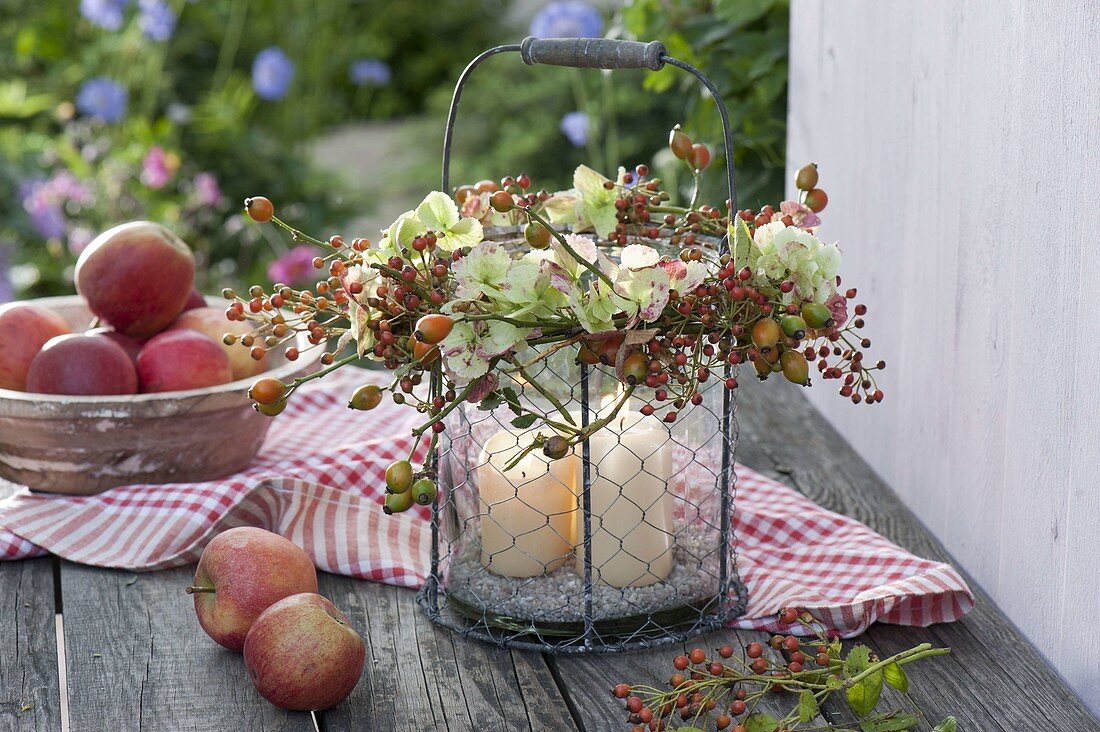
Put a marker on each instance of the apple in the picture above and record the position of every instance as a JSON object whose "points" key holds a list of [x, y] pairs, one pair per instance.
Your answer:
{"points": [[194, 300], [132, 346], [178, 360], [241, 572], [136, 277], [302, 654], [213, 323], [79, 364], [24, 329]]}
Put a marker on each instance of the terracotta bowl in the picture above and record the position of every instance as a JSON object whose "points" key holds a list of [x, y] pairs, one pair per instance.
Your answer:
{"points": [[85, 445]]}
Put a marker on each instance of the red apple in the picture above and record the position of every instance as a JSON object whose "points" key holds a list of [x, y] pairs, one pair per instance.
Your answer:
{"points": [[79, 364], [24, 329], [136, 277], [194, 300], [241, 572], [213, 323], [302, 654], [132, 346], [182, 359]]}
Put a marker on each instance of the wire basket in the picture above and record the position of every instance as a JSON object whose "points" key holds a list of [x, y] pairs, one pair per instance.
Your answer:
{"points": [[626, 542]]}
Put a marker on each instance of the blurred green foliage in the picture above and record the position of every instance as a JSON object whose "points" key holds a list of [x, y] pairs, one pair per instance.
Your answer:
{"points": [[511, 113], [192, 96]]}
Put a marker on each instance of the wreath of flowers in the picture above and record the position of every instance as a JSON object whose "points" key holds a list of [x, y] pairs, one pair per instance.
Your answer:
{"points": [[609, 272]]}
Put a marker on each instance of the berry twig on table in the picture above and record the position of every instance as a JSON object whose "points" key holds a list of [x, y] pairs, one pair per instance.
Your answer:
{"points": [[725, 691]]}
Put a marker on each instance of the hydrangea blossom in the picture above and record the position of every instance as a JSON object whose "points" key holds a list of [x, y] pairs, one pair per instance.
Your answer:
{"points": [[103, 99], [106, 14], [567, 19], [438, 212], [370, 71], [471, 346], [597, 203], [157, 20], [272, 73], [575, 127], [780, 251]]}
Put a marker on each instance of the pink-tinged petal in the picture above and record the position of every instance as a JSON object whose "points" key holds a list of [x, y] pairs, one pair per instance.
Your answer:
{"points": [[838, 306], [484, 386], [676, 269]]}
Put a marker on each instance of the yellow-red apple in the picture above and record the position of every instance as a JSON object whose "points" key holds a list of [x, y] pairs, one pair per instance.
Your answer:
{"points": [[24, 329], [302, 654], [136, 277], [213, 323], [178, 360], [79, 364], [241, 573]]}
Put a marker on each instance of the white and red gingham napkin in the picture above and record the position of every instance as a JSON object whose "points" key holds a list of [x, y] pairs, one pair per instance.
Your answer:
{"points": [[320, 477]]}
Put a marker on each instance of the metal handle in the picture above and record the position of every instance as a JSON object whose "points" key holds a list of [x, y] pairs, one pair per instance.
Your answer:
{"points": [[594, 53]]}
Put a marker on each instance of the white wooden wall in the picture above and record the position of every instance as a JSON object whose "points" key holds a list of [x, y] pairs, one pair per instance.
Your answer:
{"points": [[959, 143]]}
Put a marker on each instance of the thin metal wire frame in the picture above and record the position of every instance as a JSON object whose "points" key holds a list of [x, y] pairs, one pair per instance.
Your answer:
{"points": [[727, 607]]}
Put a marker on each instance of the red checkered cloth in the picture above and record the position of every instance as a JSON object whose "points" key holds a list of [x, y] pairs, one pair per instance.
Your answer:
{"points": [[320, 477]]}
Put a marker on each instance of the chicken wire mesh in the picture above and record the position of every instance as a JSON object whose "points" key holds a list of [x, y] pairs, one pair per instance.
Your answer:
{"points": [[625, 542]]}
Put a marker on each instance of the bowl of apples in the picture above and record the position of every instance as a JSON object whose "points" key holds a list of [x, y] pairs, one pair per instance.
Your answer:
{"points": [[131, 381]]}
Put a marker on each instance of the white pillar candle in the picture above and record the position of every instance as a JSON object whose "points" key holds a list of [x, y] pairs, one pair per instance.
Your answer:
{"points": [[527, 511], [632, 525]]}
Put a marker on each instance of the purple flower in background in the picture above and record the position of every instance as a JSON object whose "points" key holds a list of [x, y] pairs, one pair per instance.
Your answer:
{"points": [[104, 13], [575, 127], [102, 98], [44, 202], [157, 167], [373, 71], [567, 19], [157, 20], [42, 209], [207, 190], [294, 267], [272, 72], [7, 292]]}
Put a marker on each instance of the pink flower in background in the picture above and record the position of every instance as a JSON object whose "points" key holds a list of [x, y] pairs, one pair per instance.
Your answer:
{"points": [[838, 306], [79, 239], [158, 167], [294, 267], [207, 190]]}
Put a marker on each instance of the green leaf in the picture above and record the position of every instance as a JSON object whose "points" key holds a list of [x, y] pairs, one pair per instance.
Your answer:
{"points": [[511, 398], [524, 420], [896, 677], [490, 402], [863, 696], [761, 722], [859, 658], [890, 723], [947, 725], [738, 13], [807, 706]]}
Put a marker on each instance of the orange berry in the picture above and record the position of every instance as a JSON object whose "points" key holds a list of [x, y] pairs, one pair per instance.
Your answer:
{"points": [[267, 390], [433, 328], [259, 209]]}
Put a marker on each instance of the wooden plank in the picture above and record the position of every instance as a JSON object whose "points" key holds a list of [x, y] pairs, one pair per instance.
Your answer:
{"points": [[421, 676], [29, 687], [993, 673], [138, 660]]}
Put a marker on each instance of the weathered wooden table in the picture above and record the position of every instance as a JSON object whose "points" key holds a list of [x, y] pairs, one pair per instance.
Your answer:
{"points": [[135, 658]]}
